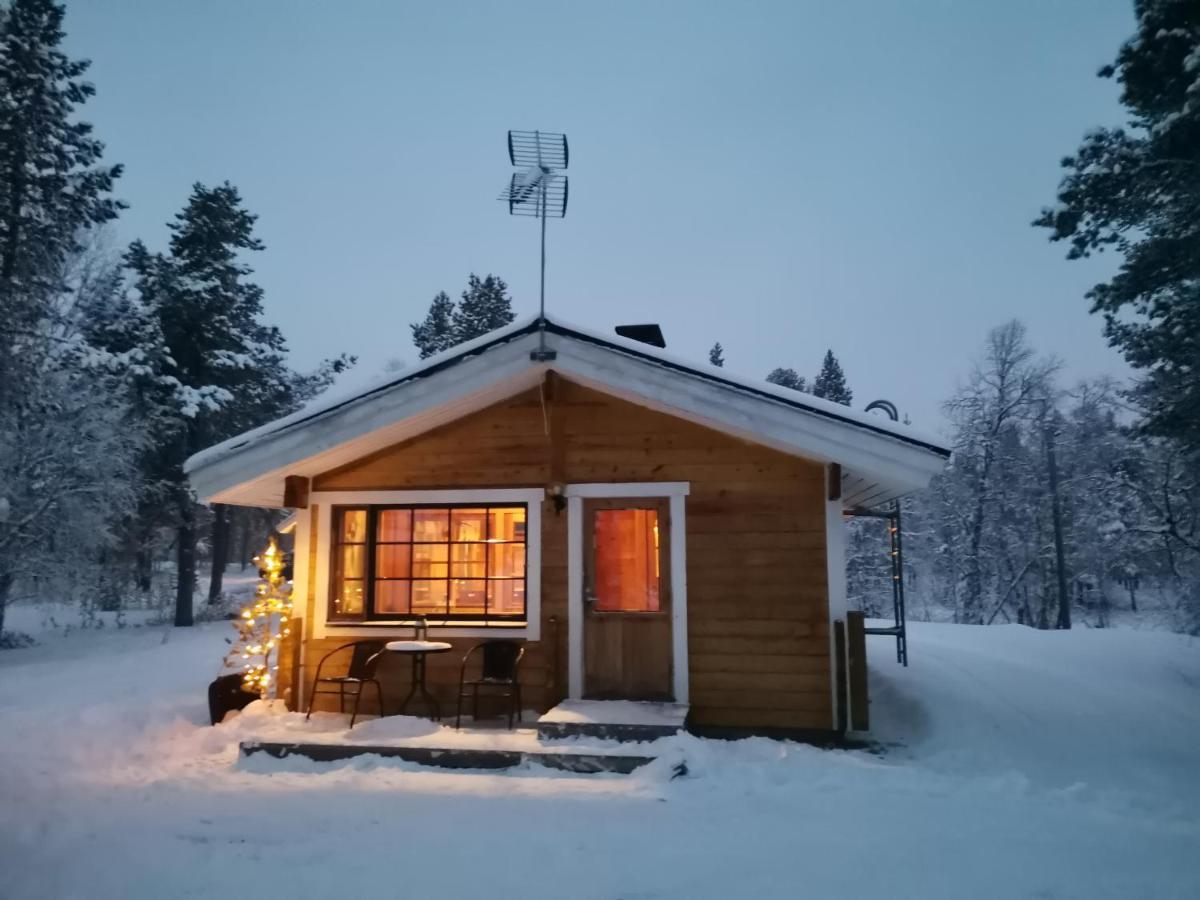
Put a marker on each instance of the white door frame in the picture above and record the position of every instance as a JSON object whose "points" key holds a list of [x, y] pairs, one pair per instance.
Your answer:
{"points": [[675, 491]]}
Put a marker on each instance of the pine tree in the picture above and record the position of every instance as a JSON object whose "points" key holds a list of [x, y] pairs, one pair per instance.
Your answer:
{"points": [[830, 383], [224, 369], [485, 306], [1135, 190], [436, 332], [788, 378], [52, 184], [716, 356], [57, 454]]}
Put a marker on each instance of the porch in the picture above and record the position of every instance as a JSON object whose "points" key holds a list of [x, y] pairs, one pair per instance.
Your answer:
{"points": [[582, 737]]}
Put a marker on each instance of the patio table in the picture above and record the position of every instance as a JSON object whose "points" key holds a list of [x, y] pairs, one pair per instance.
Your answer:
{"points": [[418, 650]]}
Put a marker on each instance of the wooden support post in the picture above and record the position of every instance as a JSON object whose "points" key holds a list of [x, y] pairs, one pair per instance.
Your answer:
{"points": [[556, 428], [295, 492], [834, 471], [839, 646], [289, 664], [856, 650]]}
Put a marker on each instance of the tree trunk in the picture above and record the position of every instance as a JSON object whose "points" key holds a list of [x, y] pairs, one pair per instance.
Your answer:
{"points": [[1064, 596], [1132, 597], [244, 519], [220, 550], [185, 556], [6, 583], [144, 570]]}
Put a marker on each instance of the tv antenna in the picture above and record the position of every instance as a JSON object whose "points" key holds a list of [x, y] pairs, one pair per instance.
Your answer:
{"points": [[539, 189]]}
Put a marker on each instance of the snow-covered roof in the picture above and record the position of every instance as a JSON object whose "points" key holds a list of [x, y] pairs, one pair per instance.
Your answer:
{"points": [[881, 459]]}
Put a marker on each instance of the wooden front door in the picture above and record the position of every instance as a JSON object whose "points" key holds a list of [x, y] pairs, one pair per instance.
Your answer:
{"points": [[627, 599]]}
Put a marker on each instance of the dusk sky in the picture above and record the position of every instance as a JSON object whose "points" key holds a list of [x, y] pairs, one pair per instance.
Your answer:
{"points": [[782, 177]]}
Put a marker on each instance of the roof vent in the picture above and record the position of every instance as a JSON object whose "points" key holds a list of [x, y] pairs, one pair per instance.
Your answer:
{"points": [[646, 334]]}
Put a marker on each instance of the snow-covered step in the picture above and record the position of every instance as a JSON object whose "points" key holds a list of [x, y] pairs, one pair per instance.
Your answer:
{"points": [[622, 720], [455, 757]]}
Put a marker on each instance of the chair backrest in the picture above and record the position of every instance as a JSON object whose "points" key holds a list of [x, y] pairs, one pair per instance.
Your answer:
{"points": [[364, 659], [500, 659]]}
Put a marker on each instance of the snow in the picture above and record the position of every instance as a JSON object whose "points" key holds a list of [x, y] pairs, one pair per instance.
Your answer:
{"points": [[617, 712], [1017, 764], [356, 391], [417, 646]]}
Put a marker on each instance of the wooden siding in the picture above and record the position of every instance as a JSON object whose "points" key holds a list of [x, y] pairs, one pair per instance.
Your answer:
{"points": [[758, 627]]}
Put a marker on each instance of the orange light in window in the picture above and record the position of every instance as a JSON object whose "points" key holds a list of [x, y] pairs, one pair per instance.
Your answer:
{"points": [[626, 560]]}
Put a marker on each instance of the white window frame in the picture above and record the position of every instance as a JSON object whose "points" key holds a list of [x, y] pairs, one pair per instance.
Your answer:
{"points": [[676, 492], [531, 630]]}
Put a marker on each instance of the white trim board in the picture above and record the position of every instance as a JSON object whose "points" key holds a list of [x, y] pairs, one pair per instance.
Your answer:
{"points": [[835, 580], [676, 491], [532, 497], [630, 489]]}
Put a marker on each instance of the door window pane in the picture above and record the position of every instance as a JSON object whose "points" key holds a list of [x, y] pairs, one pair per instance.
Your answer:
{"points": [[626, 560]]}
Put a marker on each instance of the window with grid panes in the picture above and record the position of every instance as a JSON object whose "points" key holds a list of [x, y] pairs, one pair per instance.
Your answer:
{"points": [[449, 563]]}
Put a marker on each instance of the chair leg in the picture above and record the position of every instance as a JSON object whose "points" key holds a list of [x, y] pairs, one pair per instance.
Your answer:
{"points": [[475, 705], [520, 706], [512, 702], [312, 697], [357, 696]]}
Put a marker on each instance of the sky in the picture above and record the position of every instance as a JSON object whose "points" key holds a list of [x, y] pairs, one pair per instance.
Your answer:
{"points": [[782, 177]]}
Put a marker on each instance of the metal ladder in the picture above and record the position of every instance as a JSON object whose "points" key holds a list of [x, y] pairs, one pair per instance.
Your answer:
{"points": [[898, 630]]}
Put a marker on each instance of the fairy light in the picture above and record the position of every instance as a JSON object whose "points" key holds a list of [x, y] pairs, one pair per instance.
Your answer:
{"points": [[263, 624]]}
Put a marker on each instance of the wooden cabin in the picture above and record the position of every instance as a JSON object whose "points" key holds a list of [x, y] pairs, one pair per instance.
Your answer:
{"points": [[650, 529]]}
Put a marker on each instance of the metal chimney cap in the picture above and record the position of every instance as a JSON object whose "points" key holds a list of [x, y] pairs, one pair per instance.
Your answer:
{"points": [[647, 334]]}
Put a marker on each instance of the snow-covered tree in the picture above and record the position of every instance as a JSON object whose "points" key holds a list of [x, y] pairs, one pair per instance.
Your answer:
{"points": [[830, 383], [788, 378], [485, 306], [1134, 189], [53, 185], [716, 356], [435, 332], [1006, 389], [64, 442], [223, 369]]}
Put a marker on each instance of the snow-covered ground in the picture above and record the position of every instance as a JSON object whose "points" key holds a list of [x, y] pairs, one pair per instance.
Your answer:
{"points": [[1024, 764]]}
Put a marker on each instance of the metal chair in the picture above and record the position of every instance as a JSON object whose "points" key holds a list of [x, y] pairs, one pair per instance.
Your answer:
{"points": [[501, 660], [363, 663]]}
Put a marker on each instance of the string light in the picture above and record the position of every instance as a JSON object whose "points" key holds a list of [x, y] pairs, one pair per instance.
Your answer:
{"points": [[263, 624]]}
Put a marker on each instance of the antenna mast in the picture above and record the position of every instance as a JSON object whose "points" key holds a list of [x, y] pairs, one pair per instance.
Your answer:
{"points": [[540, 190]]}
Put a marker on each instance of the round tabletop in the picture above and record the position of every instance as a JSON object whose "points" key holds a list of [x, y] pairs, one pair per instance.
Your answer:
{"points": [[417, 646]]}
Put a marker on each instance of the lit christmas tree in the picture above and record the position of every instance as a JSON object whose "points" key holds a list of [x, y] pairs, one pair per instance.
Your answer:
{"points": [[262, 625]]}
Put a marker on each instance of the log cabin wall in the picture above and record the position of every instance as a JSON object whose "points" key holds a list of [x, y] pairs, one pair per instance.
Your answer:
{"points": [[757, 598]]}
